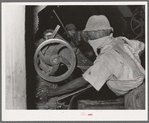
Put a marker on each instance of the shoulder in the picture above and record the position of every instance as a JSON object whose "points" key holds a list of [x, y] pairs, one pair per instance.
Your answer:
{"points": [[112, 60]]}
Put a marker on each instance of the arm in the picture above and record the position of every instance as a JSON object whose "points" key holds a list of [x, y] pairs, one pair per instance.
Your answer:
{"points": [[137, 46], [69, 87]]}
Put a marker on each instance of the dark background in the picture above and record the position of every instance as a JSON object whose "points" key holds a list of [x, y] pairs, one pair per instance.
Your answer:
{"points": [[78, 15]]}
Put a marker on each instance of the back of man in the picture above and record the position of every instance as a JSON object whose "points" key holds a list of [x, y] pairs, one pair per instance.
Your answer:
{"points": [[119, 65], [128, 72], [79, 38]]}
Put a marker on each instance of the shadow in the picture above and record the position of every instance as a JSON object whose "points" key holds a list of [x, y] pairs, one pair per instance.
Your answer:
{"points": [[30, 72]]}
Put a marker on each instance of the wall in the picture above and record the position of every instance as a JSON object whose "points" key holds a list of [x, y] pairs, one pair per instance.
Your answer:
{"points": [[31, 26], [13, 44]]}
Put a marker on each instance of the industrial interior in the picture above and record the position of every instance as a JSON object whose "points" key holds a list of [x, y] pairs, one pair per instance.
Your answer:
{"points": [[124, 20], [127, 21]]}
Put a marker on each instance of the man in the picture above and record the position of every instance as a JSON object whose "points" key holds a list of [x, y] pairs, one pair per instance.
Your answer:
{"points": [[74, 34], [117, 64], [79, 38], [71, 28]]}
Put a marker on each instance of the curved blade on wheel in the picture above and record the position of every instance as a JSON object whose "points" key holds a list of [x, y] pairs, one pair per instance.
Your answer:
{"points": [[45, 58], [57, 48], [54, 69], [49, 70], [46, 68], [64, 61]]}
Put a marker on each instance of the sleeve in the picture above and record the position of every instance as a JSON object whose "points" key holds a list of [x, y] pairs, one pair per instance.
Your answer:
{"points": [[98, 74], [137, 46]]}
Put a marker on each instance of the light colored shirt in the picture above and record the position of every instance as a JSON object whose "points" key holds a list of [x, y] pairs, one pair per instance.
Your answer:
{"points": [[118, 64]]}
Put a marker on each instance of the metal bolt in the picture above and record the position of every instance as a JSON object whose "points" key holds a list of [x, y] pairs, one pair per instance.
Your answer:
{"points": [[55, 61]]}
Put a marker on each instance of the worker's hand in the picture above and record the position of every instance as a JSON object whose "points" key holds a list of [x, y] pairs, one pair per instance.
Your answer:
{"points": [[49, 104], [44, 92], [52, 103]]}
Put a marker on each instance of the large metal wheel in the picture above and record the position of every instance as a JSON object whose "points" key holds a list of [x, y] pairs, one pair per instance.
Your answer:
{"points": [[50, 59], [138, 22]]}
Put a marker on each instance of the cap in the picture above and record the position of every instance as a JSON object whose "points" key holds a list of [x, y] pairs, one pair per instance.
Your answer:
{"points": [[69, 27], [97, 22]]}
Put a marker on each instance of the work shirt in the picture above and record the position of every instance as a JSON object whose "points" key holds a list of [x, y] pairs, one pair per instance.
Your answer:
{"points": [[118, 64]]}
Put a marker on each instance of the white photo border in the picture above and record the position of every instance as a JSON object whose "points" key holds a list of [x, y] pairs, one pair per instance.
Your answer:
{"points": [[77, 115]]}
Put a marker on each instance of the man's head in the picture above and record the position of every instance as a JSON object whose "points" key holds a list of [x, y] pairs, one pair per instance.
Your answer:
{"points": [[98, 26], [71, 29]]}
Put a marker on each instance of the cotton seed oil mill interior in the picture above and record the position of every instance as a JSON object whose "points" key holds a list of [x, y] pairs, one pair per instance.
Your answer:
{"points": [[52, 62]]}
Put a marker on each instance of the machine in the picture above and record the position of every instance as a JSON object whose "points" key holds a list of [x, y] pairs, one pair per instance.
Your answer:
{"points": [[55, 61]]}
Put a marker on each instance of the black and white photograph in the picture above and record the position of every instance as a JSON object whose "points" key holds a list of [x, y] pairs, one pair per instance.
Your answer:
{"points": [[74, 61]]}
